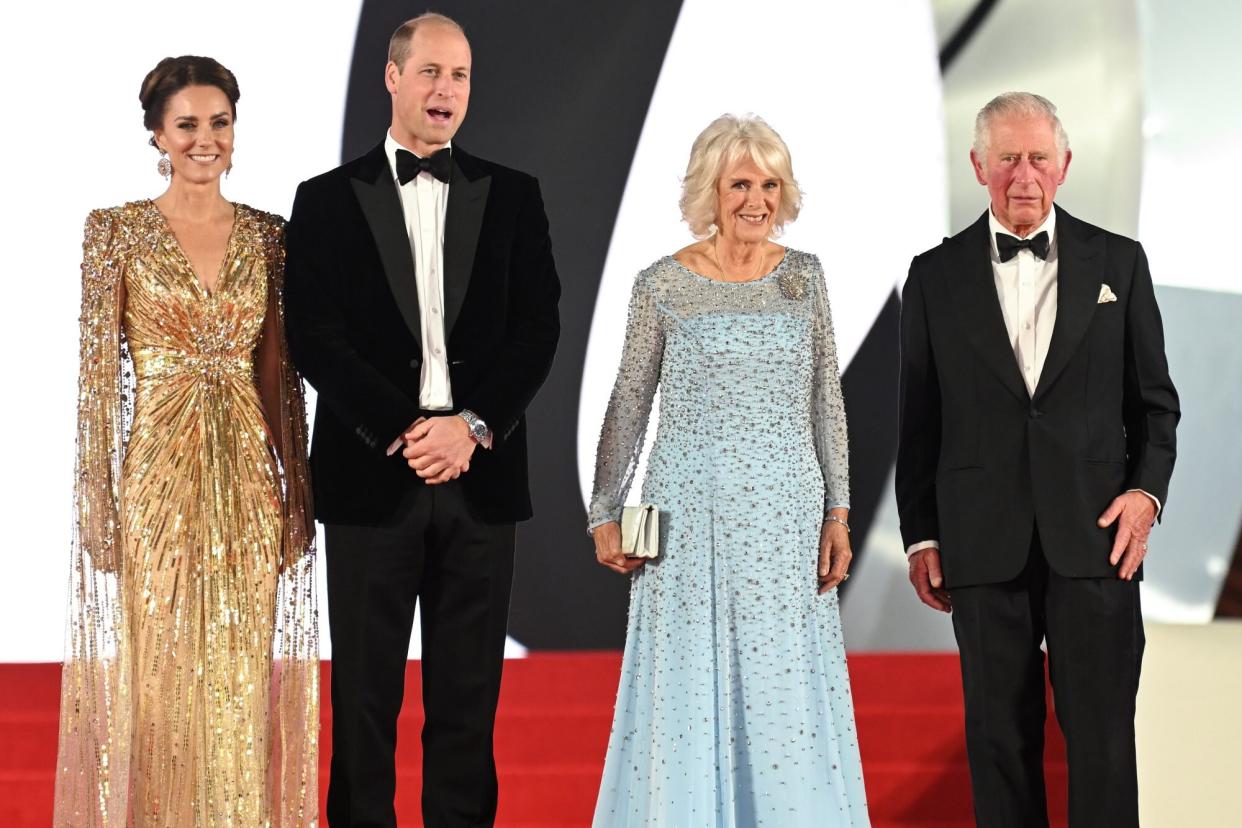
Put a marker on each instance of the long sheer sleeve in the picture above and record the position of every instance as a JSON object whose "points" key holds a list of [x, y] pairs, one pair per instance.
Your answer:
{"points": [[100, 442], [92, 767], [629, 406], [827, 404], [284, 404], [295, 682]]}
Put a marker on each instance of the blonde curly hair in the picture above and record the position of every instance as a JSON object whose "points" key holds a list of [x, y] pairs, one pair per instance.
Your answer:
{"points": [[727, 140]]}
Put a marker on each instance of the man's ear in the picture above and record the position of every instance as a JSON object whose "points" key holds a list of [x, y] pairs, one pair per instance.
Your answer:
{"points": [[977, 165]]}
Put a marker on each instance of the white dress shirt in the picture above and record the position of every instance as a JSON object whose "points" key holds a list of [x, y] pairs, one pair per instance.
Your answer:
{"points": [[424, 201], [1026, 287]]}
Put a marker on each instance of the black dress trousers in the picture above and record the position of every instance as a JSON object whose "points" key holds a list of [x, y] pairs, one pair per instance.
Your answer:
{"points": [[440, 556], [1094, 633]]}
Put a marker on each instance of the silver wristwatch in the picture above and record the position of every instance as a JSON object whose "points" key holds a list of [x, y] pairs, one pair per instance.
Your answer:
{"points": [[479, 432]]}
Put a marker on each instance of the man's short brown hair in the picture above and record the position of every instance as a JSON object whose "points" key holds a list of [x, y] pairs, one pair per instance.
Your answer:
{"points": [[399, 43]]}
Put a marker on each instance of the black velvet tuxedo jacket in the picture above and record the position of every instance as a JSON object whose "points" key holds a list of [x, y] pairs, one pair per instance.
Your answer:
{"points": [[353, 328], [982, 463]]}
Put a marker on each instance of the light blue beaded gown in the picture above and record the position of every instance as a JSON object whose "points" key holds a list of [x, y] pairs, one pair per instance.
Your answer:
{"points": [[734, 705]]}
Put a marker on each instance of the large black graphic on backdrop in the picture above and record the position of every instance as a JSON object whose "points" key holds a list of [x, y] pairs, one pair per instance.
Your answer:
{"points": [[561, 90]]}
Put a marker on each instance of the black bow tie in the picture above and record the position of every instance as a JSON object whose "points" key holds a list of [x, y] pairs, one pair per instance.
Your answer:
{"points": [[409, 165], [1008, 246]]}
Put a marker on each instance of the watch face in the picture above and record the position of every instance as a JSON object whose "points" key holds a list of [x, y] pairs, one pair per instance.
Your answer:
{"points": [[478, 429]]}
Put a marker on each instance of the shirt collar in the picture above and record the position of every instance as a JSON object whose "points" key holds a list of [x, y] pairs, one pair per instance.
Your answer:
{"points": [[390, 149], [1050, 225]]}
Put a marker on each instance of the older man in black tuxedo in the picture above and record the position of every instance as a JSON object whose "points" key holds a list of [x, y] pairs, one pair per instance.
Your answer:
{"points": [[1037, 440], [422, 306]]}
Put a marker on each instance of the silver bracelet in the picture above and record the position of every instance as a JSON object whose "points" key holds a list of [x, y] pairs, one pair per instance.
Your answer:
{"points": [[836, 519]]}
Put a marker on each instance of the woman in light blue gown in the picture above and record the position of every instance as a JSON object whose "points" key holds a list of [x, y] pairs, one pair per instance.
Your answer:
{"points": [[734, 706]]}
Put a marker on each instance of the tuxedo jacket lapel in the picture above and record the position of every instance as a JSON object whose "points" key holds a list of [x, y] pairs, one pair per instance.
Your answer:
{"points": [[381, 204], [1078, 290], [463, 221], [975, 295]]}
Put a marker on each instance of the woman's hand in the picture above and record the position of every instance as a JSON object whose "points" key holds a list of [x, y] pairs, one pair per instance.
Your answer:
{"points": [[834, 551], [608, 549]]}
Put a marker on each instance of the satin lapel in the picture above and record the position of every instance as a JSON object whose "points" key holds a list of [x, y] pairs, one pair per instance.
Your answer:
{"points": [[377, 195], [974, 287], [1078, 290], [462, 222]]}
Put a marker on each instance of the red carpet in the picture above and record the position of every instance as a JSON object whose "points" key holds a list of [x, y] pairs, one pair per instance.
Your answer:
{"points": [[555, 711]]}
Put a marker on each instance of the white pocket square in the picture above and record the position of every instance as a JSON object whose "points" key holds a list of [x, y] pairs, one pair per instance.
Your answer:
{"points": [[1106, 295]]}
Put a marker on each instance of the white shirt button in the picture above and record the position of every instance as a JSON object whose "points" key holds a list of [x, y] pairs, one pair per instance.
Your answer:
{"points": [[438, 351]]}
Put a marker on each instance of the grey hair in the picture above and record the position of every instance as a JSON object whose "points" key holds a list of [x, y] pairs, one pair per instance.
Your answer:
{"points": [[399, 43], [1021, 104], [726, 140]]}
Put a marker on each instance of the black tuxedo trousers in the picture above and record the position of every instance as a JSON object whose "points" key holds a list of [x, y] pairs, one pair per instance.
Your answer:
{"points": [[459, 570], [1094, 633]]}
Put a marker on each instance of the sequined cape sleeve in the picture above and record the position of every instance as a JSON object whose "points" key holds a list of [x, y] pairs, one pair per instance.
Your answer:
{"points": [[291, 431], [296, 678], [629, 406], [100, 443], [828, 406], [93, 753]]}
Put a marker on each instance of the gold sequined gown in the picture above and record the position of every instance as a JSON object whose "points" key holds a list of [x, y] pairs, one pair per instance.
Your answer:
{"points": [[191, 677]]}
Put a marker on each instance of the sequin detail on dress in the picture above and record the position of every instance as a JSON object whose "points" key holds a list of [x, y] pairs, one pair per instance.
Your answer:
{"points": [[190, 686], [734, 706]]}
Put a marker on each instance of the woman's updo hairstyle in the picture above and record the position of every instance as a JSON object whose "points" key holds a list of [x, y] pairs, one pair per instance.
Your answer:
{"points": [[171, 75]]}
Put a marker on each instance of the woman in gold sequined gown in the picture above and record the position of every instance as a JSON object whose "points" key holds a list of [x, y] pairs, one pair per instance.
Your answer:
{"points": [[190, 689]]}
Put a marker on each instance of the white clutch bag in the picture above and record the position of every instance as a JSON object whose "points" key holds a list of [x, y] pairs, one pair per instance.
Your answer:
{"points": [[640, 531]]}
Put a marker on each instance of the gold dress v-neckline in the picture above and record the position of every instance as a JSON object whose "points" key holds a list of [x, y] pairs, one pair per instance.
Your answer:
{"points": [[221, 271]]}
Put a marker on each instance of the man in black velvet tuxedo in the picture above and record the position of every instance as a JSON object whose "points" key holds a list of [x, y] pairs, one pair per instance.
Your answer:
{"points": [[422, 306], [1037, 440]]}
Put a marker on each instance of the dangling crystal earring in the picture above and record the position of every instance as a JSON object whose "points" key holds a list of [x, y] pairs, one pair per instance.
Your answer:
{"points": [[228, 169], [164, 167]]}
